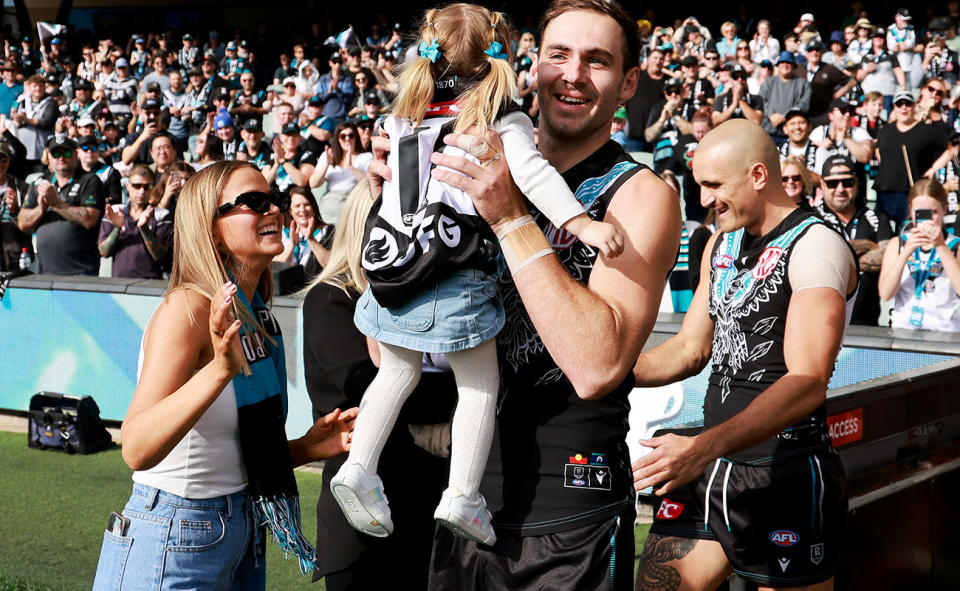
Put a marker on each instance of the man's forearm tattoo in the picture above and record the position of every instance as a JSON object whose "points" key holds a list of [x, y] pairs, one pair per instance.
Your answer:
{"points": [[155, 248], [655, 574]]}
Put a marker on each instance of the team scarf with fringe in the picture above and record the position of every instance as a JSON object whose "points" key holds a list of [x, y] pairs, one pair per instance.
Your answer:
{"points": [[262, 412]]}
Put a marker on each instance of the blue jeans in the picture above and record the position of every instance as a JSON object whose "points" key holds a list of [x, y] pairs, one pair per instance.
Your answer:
{"points": [[178, 543], [894, 205]]}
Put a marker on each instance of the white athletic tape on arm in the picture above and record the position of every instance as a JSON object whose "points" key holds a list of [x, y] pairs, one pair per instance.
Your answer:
{"points": [[522, 243]]}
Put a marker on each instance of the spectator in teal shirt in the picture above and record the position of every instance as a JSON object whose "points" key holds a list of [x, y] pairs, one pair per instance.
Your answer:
{"points": [[10, 89]]}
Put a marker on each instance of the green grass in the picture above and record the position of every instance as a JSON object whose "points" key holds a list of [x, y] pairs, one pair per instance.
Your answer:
{"points": [[55, 507]]}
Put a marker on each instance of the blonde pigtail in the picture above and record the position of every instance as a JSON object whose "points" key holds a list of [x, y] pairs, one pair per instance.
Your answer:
{"points": [[416, 82], [483, 103]]}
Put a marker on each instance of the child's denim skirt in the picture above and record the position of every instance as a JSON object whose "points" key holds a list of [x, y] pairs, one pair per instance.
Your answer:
{"points": [[457, 313], [178, 543]]}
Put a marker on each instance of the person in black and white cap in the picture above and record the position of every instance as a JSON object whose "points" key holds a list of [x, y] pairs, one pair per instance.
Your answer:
{"points": [[668, 119], [826, 83], [902, 43], [232, 66], [188, 54], [136, 145], [64, 208], [121, 90], [845, 207], [924, 144], [737, 102], [292, 163], [253, 149], [88, 150], [83, 105], [838, 136], [796, 125], [880, 71]]}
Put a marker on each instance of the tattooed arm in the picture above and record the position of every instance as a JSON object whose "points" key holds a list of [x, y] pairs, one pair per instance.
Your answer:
{"points": [[107, 245], [156, 247]]}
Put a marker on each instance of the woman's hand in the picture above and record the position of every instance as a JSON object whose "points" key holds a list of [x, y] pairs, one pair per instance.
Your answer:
{"points": [[916, 239], [224, 330], [294, 232], [171, 187], [330, 436], [310, 227], [933, 233]]}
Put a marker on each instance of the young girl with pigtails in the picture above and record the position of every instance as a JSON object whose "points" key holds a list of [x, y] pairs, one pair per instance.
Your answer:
{"points": [[430, 259]]}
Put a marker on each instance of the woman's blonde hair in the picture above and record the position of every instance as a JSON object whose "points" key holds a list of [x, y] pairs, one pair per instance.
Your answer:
{"points": [[344, 268], [199, 264], [463, 32]]}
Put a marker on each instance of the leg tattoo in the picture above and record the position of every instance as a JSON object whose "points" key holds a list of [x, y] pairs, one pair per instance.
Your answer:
{"points": [[655, 574]]}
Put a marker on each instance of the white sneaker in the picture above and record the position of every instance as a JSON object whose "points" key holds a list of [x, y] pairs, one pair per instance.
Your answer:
{"points": [[360, 496], [467, 518]]}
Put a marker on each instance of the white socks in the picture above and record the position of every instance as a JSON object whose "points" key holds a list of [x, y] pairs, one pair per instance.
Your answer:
{"points": [[477, 383], [398, 375]]}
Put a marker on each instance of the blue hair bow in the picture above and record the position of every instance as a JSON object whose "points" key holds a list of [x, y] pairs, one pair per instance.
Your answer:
{"points": [[496, 51], [431, 52]]}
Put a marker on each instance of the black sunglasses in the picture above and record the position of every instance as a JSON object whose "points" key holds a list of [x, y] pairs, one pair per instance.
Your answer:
{"points": [[139, 185], [794, 177], [89, 148], [257, 201], [847, 182]]}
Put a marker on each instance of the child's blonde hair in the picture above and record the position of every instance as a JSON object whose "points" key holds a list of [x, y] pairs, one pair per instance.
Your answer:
{"points": [[463, 33]]}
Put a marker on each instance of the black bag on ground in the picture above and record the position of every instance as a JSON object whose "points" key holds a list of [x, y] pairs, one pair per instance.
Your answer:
{"points": [[66, 423]]}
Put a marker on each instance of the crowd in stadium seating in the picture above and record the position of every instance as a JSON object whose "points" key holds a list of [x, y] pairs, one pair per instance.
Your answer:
{"points": [[140, 114]]}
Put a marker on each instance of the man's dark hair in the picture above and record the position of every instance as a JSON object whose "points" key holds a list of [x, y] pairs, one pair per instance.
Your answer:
{"points": [[631, 32], [165, 134]]}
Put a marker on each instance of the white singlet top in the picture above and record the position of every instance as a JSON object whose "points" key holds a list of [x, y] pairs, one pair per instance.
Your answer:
{"points": [[206, 463]]}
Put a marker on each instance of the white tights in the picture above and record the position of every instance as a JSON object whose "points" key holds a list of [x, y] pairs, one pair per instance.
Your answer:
{"points": [[472, 431]]}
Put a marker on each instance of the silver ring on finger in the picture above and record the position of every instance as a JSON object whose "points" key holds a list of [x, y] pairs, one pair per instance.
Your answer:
{"points": [[488, 161]]}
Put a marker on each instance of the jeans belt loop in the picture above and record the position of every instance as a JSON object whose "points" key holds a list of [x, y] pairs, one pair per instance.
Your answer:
{"points": [[151, 499]]}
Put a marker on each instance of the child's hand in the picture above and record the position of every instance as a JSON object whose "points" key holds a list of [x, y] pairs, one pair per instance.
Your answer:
{"points": [[604, 236]]}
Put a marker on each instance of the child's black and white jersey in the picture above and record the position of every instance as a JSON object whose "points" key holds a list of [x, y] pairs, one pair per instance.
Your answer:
{"points": [[421, 229], [751, 283]]}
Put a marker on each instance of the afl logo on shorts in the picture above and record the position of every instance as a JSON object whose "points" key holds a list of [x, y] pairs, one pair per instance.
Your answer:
{"points": [[669, 509], [784, 537], [768, 262], [722, 261]]}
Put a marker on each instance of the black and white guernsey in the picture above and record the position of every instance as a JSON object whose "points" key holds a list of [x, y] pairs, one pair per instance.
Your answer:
{"points": [[421, 230], [749, 295]]}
